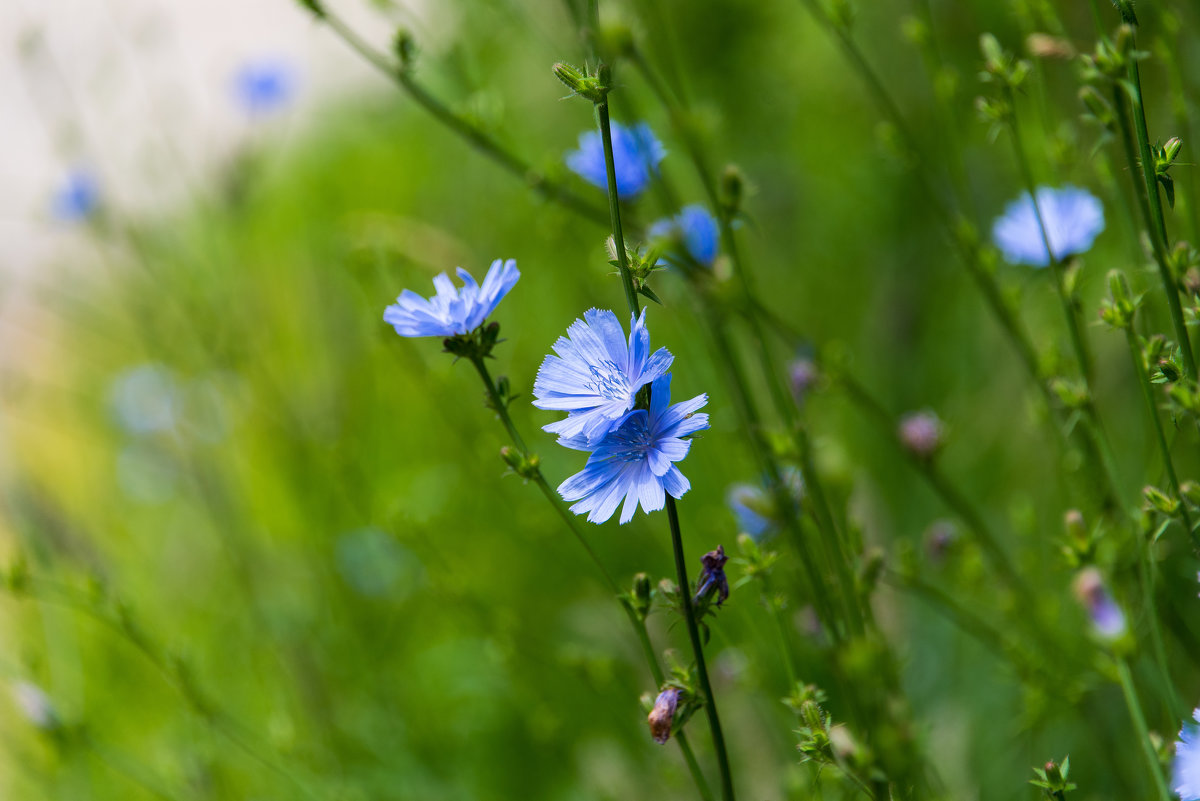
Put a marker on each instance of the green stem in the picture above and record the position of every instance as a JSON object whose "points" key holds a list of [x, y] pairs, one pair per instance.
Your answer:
{"points": [[784, 503], [689, 616], [475, 136], [944, 489], [973, 625], [639, 626], [782, 400], [614, 207], [1143, 733], [1069, 306], [205, 708], [1139, 367], [1157, 222]]}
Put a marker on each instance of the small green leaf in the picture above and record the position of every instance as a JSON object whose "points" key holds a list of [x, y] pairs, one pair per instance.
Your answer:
{"points": [[648, 292]]}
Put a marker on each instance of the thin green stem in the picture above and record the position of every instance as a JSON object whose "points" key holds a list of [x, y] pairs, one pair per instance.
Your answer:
{"points": [[1069, 305], [1157, 222], [1139, 367], [475, 136], [929, 470], [639, 626], [1143, 732], [784, 503], [175, 674], [614, 207], [689, 616], [780, 396], [972, 624]]}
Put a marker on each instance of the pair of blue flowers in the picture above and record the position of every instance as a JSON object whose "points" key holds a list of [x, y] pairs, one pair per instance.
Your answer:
{"points": [[636, 156], [596, 374]]}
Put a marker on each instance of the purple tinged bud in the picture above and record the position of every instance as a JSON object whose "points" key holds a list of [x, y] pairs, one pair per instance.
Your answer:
{"points": [[662, 716], [1107, 618], [921, 434], [712, 576], [803, 375], [940, 539]]}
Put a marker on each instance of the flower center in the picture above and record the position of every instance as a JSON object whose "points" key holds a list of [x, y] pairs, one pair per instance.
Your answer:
{"points": [[608, 381]]}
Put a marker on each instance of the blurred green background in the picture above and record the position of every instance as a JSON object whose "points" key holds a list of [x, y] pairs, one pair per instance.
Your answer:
{"points": [[234, 488]]}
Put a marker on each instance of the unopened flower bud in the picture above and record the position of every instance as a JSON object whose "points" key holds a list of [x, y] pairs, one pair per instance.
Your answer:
{"points": [[1075, 526], [524, 465], [921, 434], [1190, 490], [1108, 620], [641, 594], [1043, 45], [1159, 500], [591, 87], [1171, 149], [803, 375], [1097, 105], [662, 716], [712, 576], [733, 190], [405, 47], [940, 539]]}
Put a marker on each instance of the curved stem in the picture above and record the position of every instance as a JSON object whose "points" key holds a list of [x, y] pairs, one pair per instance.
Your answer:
{"points": [[1139, 367], [1143, 733], [639, 626], [464, 128], [689, 616]]}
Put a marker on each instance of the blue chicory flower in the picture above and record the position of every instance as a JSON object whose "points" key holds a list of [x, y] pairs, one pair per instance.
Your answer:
{"points": [[596, 374], [1186, 779], [452, 310], [636, 155], [78, 196], [261, 87], [635, 462], [755, 508], [695, 228], [1073, 217]]}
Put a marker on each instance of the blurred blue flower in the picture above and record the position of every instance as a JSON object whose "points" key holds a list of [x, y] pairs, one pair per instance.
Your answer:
{"points": [[452, 310], [145, 399], [597, 374], [695, 228], [1073, 217], [77, 197], [755, 508], [261, 87], [636, 155], [1186, 778], [1108, 621], [635, 462]]}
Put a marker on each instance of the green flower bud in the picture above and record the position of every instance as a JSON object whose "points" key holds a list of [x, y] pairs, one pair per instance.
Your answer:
{"points": [[1157, 499], [1098, 106], [733, 190], [641, 594], [593, 87], [405, 48]]}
